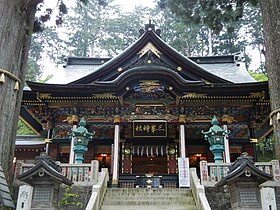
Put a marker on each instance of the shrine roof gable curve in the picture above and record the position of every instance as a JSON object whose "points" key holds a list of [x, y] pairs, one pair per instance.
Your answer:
{"points": [[151, 50]]}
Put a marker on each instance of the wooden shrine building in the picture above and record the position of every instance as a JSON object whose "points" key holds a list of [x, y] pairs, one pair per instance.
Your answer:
{"points": [[147, 106]]}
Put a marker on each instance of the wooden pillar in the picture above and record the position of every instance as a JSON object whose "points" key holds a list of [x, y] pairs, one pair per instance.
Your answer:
{"points": [[72, 154], [48, 140], [182, 120], [127, 158], [116, 151], [226, 144]]}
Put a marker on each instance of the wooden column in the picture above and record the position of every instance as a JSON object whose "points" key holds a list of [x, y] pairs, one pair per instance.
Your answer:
{"points": [[72, 154], [116, 151], [182, 120], [48, 140], [127, 158], [226, 144]]}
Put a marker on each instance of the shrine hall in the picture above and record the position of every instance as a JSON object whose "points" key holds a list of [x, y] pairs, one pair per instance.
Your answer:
{"points": [[145, 108]]}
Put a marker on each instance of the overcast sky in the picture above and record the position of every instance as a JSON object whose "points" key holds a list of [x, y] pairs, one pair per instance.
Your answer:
{"points": [[128, 5]]}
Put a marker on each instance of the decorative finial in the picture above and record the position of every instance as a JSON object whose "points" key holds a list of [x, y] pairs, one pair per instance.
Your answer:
{"points": [[82, 122], [149, 27], [215, 121]]}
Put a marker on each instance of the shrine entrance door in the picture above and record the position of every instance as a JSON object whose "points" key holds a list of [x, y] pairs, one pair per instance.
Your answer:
{"points": [[149, 159], [149, 165]]}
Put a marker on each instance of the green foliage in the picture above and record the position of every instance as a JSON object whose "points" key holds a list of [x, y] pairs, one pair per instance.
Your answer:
{"points": [[46, 45], [215, 14], [23, 129], [190, 39], [235, 24], [261, 77], [33, 70], [70, 198], [266, 149], [85, 26]]}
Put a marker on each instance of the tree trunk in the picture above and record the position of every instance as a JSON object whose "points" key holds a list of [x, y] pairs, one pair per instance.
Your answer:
{"points": [[16, 25], [271, 23]]}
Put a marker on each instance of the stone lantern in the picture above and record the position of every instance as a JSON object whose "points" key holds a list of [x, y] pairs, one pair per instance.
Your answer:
{"points": [[244, 180], [81, 138], [215, 136], [44, 180]]}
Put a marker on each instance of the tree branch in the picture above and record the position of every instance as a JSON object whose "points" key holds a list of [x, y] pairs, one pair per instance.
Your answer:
{"points": [[31, 3]]}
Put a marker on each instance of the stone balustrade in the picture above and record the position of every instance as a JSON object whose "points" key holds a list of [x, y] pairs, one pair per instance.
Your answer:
{"points": [[198, 191], [98, 191], [211, 173], [86, 172]]}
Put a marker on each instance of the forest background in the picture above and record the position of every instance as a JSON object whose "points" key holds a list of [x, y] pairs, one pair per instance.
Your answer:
{"points": [[106, 29]]}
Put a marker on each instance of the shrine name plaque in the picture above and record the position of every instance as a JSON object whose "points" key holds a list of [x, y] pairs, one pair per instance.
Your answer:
{"points": [[149, 128]]}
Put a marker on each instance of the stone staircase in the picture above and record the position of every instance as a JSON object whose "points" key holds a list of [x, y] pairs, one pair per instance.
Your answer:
{"points": [[148, 199]]}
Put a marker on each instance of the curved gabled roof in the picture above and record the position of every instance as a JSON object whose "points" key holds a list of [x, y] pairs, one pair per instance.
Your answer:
{"points": [[243, 165], [150, 43], [42, 166], [150, 72]]}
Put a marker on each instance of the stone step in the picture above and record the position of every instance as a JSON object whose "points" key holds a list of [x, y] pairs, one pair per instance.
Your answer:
{"points": [[155, 194], [144, 202], [148, 192], [173, 199], [148, 199], [148, 207], [149, 189]]}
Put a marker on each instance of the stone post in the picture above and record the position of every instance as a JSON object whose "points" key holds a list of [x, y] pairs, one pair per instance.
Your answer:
{"points": [[94, 167], [24, 197], [268, 198], [275, 170]]}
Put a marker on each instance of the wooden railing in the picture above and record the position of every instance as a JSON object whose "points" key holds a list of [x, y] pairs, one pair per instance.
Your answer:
{"points": [[211, 173], [87, 172]]}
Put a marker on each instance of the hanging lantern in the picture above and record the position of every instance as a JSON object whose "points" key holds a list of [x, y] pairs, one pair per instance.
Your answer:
{"points": [[44, 125], [2, 78], [278, 116], [16, 88]]}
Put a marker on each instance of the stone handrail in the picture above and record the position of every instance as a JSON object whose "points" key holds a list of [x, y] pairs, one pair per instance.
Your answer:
{"points": [[76, 172], [198, 191], [86, 172], [98, 191], [211, 173]]}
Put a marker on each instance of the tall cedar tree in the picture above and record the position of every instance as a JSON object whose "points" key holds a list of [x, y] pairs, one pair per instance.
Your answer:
{"points": [[17, 23], [271, 24], [218, 13], [16, 26]]}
